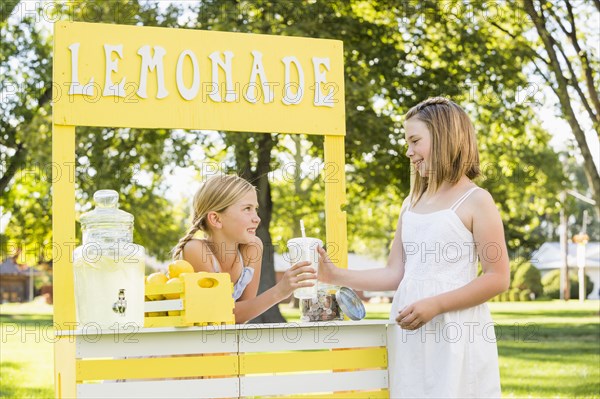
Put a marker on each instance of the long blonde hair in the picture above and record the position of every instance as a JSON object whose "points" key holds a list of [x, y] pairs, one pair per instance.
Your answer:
{"points": [[216, 195], [453, 145]]}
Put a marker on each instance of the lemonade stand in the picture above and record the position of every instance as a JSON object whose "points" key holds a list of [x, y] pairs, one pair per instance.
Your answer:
{"points": [[146, 77]]}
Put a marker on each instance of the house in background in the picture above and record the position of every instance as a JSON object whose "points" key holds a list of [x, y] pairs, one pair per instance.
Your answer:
{"points": [[549, 257], [15, 282], [355, 262]]}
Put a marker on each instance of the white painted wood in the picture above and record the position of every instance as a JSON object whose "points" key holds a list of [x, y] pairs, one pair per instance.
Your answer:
{"points": [[161, 306], [168, 389], [79, 331], [158, 344], [290, 384], [314, 337]]}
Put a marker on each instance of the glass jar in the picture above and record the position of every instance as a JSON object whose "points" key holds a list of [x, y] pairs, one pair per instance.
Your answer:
{"points": [[108, 267], [332, 303]]}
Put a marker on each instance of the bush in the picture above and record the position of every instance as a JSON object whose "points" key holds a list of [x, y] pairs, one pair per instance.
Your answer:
{"points": [[513, 294], [551, 284], [527, 277], [525, 295], [514, 266]]}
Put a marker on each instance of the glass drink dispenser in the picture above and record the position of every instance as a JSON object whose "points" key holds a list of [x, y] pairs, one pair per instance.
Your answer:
{"points": [[108, 268]]}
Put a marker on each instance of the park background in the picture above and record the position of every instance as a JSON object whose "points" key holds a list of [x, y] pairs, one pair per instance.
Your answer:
{"points": [[525, 71]]}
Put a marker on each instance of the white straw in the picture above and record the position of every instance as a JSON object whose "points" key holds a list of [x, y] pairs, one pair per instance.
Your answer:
{"points": [[302, 228]]}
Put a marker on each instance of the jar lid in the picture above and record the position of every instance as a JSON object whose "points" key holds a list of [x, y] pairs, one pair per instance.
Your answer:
{"points": [[106, 210], [350, 303]]}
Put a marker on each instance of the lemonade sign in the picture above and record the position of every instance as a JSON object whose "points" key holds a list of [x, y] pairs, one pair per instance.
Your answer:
{"points": [[113, 75]]}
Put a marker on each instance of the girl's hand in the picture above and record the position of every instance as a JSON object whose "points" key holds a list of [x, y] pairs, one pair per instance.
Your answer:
{"points": [[295, 277], [417, 314], [327, 270]]}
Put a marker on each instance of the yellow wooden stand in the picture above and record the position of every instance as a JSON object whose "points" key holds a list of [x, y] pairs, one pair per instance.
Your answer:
{"points": [[145, 77]]}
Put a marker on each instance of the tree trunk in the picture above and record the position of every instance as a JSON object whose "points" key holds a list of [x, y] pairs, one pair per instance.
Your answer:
{"points": [[17, 161], [260, 179]]}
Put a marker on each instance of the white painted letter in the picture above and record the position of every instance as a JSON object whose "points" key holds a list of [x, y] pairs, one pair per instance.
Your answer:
{"points": [[320, 99], [191, 93], [76, 87], [151, 63], [288, 96], [110, 89], [230, 95], [258, 70]]}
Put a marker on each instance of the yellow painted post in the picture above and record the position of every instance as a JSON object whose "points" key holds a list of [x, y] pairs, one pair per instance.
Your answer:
{"points": [[63, 231], [63, 223], [334, 177], [65, 385]]}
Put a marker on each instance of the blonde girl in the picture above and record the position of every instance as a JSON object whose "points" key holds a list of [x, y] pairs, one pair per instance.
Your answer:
{"points": [[222, 238], [442, 341]]}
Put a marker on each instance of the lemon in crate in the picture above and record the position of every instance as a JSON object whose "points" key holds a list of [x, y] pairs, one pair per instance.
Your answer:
{"points": [[188, 298]]}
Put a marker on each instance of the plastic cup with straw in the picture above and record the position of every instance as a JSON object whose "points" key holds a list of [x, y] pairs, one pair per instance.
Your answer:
{"points": [[305, 249]]}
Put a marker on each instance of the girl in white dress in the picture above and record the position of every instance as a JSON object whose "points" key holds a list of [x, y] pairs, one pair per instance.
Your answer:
{"points": [[442, 342]]}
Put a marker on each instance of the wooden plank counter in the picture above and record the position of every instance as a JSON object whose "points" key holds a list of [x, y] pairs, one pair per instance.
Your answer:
{"points": [[324, 359]]}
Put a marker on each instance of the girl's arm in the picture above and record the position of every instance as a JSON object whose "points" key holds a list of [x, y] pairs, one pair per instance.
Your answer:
{"points": [[488, 234], [381, 279], [249, 305]]}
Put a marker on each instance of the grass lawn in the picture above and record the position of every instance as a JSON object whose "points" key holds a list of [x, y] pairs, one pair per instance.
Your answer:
{"points": [[26, 351], [547, 349]]}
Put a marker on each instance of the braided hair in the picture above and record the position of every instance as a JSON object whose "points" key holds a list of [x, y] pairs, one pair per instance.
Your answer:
{"points": [[216, 195]]}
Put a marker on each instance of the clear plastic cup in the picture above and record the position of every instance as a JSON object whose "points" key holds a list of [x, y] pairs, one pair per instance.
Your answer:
{"points": [[305, 249]]}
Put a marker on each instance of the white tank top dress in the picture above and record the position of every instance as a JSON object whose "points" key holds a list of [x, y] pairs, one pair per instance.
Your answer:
{"points": [[454, 355]]}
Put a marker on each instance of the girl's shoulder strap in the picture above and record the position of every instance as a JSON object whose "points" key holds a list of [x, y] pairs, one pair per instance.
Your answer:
{"points": [[405, 204], [241, 258], [462, 198], [215, 262]]}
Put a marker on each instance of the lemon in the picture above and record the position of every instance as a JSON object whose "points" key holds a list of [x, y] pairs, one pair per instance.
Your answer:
{"points": [[172, 281], [178, 267], [207, 283], [155, 279]]}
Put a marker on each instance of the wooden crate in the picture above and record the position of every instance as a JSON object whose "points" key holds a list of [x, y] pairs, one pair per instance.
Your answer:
{"points": [[197, 299]]}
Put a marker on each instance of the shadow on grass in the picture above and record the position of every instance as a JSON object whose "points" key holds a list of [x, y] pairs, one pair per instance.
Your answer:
{"points": [[549, 387], [547, 313], [579, 353], [535, 332]]}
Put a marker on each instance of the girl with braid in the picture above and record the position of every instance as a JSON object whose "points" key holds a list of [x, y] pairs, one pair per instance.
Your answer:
{"points": [[222, 239]]}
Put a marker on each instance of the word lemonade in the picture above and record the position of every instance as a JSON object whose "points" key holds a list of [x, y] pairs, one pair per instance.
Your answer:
{"points": [[187, 69]]}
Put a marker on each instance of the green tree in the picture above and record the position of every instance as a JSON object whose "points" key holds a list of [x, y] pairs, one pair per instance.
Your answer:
{"points": [[563, 54], [132, 161]]}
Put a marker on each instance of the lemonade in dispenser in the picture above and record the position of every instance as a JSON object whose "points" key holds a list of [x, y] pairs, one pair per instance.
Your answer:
{"points": [[108, 267]]}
